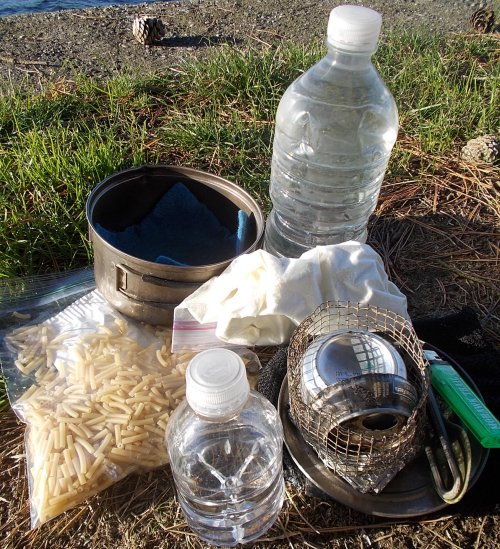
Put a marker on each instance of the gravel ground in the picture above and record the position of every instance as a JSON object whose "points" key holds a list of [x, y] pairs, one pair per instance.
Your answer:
{"points": [[37, 48]]}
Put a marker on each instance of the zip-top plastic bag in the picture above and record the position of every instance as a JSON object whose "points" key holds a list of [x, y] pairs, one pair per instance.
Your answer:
{"points": [[95, 390]]}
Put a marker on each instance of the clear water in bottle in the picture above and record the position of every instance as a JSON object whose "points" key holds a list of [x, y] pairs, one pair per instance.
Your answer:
{"points": [[226, 460], [335, 128]]}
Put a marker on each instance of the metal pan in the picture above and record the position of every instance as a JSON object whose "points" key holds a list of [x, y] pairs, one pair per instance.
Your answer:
{"points": [[146, 290]]}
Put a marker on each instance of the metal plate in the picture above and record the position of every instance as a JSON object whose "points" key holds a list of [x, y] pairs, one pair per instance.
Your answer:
{"points": [[411, 493]]}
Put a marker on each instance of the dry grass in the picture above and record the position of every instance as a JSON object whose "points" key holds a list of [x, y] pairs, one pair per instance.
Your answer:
{"points": [[438, 231]]}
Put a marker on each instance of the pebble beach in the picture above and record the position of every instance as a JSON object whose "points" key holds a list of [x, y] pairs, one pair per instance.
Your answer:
{"points": [[42, 47]]}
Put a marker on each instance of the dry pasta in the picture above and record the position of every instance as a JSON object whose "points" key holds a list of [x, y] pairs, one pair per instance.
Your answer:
{"points": [[98, 409]]}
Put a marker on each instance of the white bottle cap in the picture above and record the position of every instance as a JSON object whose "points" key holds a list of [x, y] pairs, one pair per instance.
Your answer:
{"points": [[354, 28], [216, 383]]}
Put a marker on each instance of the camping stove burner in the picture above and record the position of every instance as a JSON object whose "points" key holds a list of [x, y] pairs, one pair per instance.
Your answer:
{"points": [[358, 388]]}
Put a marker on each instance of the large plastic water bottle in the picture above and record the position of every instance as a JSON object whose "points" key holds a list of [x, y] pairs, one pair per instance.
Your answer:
{"points": [[335, 129], [225, 444]]}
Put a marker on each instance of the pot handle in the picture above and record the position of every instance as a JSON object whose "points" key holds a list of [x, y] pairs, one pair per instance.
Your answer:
{"points": [[149, 288]]}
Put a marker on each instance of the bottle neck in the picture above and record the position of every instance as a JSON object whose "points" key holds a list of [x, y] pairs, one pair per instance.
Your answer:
{"points": [[223, 417], [348, 59]]}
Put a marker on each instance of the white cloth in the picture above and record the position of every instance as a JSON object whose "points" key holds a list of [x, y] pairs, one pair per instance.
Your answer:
{"points": [[260, 299]]}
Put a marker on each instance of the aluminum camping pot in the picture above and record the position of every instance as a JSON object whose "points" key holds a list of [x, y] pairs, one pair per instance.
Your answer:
{"points": [[145, 290]]}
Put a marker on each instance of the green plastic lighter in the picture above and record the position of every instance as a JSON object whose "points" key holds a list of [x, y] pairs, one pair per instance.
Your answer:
{"points": [[459, 396]]}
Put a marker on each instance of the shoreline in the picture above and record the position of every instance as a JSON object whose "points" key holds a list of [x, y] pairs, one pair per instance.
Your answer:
{"points": [[42, 47], [53, 9]]}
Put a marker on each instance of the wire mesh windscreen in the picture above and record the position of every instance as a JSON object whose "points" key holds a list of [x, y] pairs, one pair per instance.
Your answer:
{"points": [[368, 423]]}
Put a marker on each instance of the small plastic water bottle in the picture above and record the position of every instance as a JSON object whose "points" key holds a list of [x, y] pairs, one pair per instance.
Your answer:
{"points": [[225, 444], [335, 128]]}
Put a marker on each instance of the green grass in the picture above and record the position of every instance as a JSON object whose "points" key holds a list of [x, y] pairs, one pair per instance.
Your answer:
{"points": [[216, 114], [446, 90]]}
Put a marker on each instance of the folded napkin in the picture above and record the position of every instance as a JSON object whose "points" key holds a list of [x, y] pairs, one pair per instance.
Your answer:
{"points": [[180, 230], [260, 299]]}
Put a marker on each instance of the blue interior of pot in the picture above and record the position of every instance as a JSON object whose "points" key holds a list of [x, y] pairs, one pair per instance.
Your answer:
{"points": [[180, 230]]}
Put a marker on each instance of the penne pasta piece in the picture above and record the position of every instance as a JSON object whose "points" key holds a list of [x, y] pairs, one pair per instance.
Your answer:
{"points": [[118, 436], [63, 497], [161, 360], [134, 438], [85, 444], [68, 459], [139, 409], [82, 459], [104, 444], [90, 473]]}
